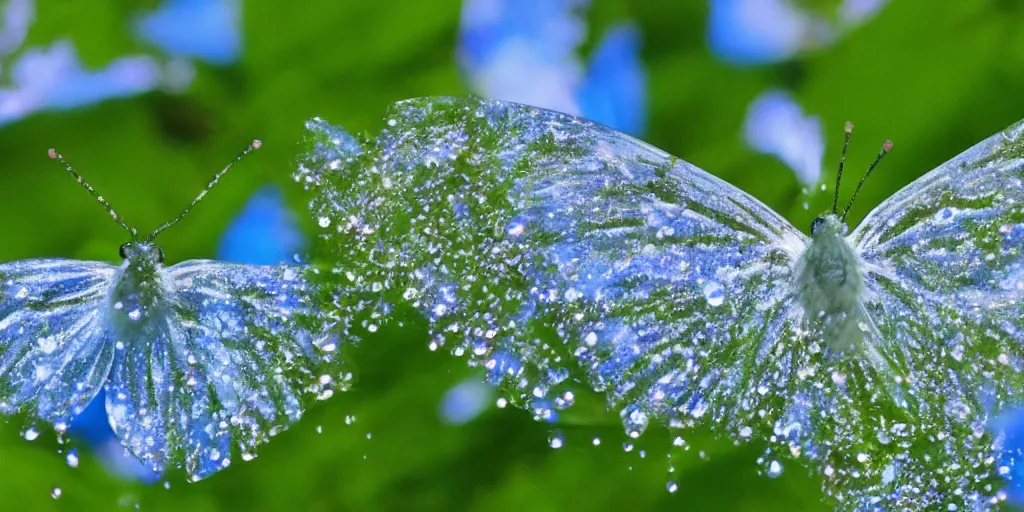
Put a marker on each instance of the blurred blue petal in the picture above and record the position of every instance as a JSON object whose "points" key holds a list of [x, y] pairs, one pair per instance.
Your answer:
{"points": [[16, 18], [264, 233], [552, 28], [765, 31], [208, 30], [54, 78], [776, 125], [758, 31], [526, 52], [465, 401], [614, 91]]}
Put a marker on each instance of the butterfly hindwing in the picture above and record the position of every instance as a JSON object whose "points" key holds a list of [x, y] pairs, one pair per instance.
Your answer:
{"points": [[54, 355], [235, 356]]}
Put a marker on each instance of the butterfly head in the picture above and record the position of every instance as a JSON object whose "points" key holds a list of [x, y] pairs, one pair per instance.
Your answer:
{"points": [[142, 252], [828, 224]]}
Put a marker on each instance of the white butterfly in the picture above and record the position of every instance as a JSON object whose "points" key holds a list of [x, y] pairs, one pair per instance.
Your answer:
{"points": [[876, 356], [198, 360]]}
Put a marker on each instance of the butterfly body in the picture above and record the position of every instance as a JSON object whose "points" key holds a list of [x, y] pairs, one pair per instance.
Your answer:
{"points": [[830, 282], [137, 293]]}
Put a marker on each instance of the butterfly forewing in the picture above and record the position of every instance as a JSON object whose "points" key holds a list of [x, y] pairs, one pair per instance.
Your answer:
{"points": [[54, 355], [234, 356]]}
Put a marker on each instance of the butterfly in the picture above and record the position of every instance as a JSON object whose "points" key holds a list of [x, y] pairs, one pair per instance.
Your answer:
{"points": [[200, 361], [873, 356]]}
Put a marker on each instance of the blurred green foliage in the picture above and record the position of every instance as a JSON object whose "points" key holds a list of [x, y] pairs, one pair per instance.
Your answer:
{"points": [[934, 78]]}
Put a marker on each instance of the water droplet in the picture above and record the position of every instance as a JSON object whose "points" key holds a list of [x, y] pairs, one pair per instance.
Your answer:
{"points": [[47, 344], [944, 215], [672, 487], [43, 372], [501, 403], [516, 229], [591, 338], [72, 458], [324, 222], [557, 440], [135, 315], [714, 293], [392, 122], [167, 485], [746, 432], [774, 469], [118, 305], [597, 441], [56, 493]]}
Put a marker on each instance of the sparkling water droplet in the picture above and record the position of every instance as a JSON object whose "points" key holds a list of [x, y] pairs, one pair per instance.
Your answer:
{"points": [[557, 440], [118, 305], [31, 434], [72, 458], [324, 222], [714, 293], [516, 229], [56, 493], [47, 344], [135, 314], [944, 215], [672, 487], [774, 469], [597, 441]]}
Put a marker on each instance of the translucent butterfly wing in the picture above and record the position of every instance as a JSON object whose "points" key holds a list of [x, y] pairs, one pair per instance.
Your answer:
{"points": [[507, 224], [232, 359], [945, 262], [54, 354], [944, 272]]}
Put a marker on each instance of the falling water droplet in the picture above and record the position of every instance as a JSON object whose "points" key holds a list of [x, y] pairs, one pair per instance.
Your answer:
{"points": [[56, 492], [557, 440], [672, 486], [774, 469], [31, 434], [72, 458], [714, 293], [324, 222]]}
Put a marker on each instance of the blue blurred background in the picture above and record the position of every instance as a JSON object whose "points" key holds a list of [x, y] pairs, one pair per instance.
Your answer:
{"points": [[148, 98]]}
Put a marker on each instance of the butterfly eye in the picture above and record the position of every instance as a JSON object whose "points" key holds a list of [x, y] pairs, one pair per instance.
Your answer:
{"points": [[816, 225], [123, 251]]}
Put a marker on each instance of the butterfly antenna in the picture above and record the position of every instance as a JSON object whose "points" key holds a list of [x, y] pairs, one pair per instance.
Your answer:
{"points": [[885, 149], [213, 182], [54, 155], [842, 161]]}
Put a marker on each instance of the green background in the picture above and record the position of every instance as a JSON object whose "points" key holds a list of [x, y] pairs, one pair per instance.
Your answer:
{"points": [[933, 77]]}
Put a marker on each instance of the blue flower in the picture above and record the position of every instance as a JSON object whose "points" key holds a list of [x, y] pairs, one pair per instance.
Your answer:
{"points": [[776, 125], [265, 232], [207, 30], [526, 52], [764, 31]]}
